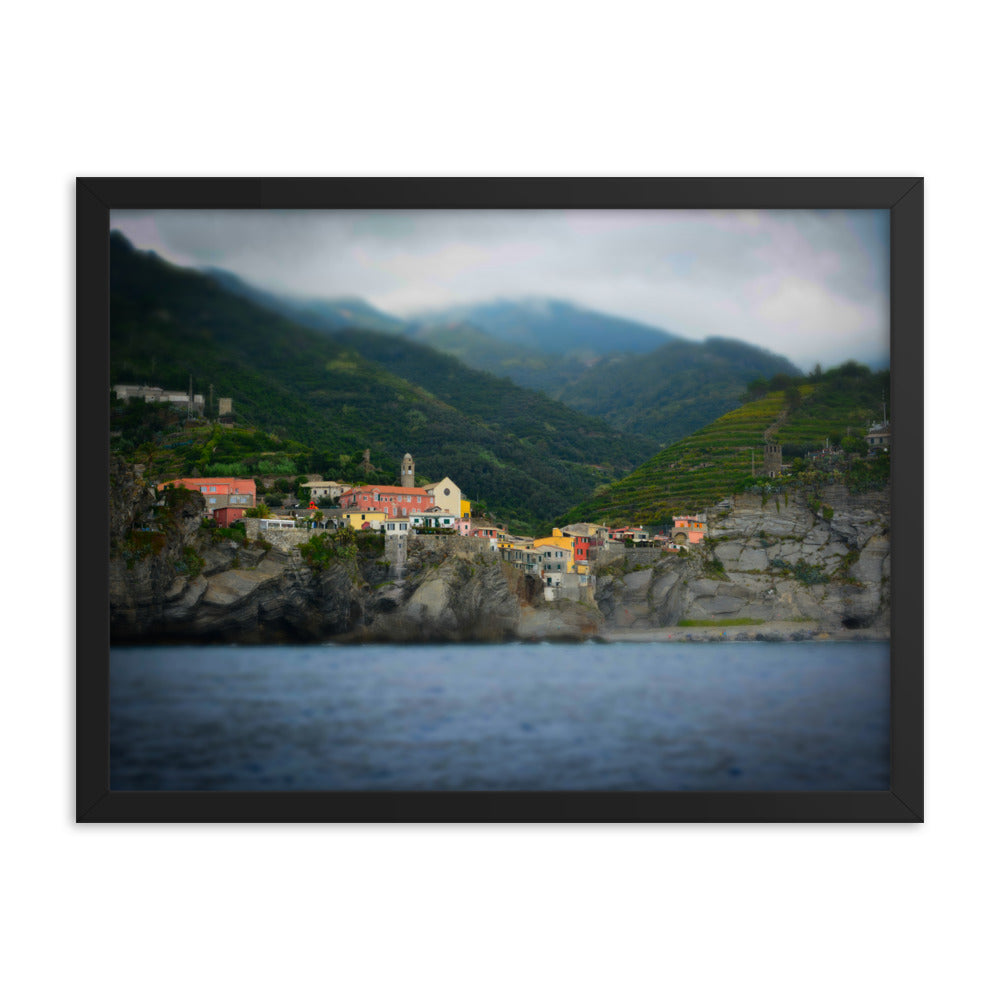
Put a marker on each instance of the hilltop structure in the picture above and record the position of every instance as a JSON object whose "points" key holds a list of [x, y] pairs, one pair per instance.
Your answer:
{"points": [[772, 460], [879, 436], [154, 394]]}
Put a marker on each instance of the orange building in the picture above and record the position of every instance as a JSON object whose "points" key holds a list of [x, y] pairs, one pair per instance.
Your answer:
{"points": [[219, 492]]}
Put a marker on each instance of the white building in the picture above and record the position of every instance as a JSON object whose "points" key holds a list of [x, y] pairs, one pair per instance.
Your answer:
{"points": [[434, 518], [395, 525], [447, 496]]}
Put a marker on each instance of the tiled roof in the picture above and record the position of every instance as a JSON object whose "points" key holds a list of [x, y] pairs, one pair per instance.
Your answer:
{"points": [[236, 485], [412, 490]]}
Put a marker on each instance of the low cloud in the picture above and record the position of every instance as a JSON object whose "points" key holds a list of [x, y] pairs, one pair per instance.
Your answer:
{"points": [[807, 284]]}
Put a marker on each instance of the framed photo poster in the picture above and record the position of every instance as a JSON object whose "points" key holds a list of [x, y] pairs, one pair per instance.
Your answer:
{"points": [[520, 500]]}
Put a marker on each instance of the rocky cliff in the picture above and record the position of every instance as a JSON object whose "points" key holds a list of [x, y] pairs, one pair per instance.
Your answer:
{"points": [[810, 565], [818, 561]]}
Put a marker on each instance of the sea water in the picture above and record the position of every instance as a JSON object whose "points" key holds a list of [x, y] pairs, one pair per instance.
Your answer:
{"points": [[621, 716]]}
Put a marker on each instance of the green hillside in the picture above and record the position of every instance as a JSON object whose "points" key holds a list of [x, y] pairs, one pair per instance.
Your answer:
{"points": [[522, 364], [525, 455], [641, 380], [673, 390], [719, 459]]}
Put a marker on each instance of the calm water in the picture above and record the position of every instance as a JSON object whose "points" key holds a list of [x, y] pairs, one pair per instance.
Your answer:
{"points": [[672, 716]]}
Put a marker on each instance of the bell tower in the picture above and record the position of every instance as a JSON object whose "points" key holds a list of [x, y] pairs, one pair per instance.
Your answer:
{"points": [[406, 471]]}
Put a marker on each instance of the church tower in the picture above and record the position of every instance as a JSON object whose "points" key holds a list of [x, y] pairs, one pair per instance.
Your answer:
{"points": [[406, 471]]}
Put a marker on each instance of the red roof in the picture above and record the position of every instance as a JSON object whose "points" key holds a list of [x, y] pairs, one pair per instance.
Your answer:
{"points": [[416, 490], [233, 485]]}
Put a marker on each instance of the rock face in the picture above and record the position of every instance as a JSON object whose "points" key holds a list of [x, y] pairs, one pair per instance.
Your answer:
{"points": [[465, 598], [172, 579], [767, 562]]}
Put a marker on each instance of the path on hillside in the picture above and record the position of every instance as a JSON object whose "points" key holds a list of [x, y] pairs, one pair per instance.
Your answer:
{"points": [[779, 420]]}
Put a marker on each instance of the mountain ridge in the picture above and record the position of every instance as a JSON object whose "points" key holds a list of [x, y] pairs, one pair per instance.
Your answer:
{"points": [[522, 451]]}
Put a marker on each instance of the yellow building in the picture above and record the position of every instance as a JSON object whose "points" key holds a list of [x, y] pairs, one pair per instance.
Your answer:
{"points": [[356, 518], [558, 539], [466, 508]]}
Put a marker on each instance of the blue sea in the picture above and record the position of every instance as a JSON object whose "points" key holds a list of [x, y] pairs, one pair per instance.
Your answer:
{"points": [[622, 716]]}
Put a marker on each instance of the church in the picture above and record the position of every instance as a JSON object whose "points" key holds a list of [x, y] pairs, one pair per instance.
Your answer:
{"points": [[405, 499]]}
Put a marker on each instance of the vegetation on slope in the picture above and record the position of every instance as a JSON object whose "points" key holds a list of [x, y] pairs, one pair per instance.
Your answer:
{"points": [[672, 391], [719, 459], [337, 394]]}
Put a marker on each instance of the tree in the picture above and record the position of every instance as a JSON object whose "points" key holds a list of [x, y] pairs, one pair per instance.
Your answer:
{"points": [[261, 510]]}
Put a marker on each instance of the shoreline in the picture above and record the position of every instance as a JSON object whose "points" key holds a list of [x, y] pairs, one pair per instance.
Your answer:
{"points": [[768, 632]]}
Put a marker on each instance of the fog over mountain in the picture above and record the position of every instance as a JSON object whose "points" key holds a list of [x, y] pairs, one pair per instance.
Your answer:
{"points": [[809, 285]]}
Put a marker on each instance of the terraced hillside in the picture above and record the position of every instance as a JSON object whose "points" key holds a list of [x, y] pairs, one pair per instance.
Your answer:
{"points": [[719, 459]]}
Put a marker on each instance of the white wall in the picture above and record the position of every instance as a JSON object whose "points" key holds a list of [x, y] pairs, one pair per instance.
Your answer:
{"points": [[499, 911]]}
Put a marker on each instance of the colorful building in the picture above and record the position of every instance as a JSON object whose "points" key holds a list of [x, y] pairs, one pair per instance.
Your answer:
{"points": [[359, 519], [226, 516], [219, 492], [688, 530], [392, 501], [558, 539]]}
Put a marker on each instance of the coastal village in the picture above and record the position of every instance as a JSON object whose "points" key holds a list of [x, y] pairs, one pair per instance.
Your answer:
{"points": [[564, 560], [416, 524]]}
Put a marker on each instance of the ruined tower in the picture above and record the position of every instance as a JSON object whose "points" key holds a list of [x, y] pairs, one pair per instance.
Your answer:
{"points": [[406, 471], [772, 460]]}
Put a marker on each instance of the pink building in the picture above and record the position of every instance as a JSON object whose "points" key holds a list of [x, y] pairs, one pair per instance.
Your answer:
{"points": [[688, 530], [393, 501]]}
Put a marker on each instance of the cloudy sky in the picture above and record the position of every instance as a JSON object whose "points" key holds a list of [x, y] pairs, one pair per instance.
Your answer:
{"points": [[813, 286]]}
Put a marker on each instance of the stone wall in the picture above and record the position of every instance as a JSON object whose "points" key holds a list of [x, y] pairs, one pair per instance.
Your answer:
{"points": [[283, 539], [450, 544], [634, 556]]}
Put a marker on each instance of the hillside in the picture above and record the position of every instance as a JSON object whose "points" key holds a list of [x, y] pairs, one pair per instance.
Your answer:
{"points": [[524, 454], [523, 365], [640, 379], [718, 460], [317, 314], [673, 390]]}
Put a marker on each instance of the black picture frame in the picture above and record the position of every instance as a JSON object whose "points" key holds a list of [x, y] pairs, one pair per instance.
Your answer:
{"points": [[903, 197]]}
